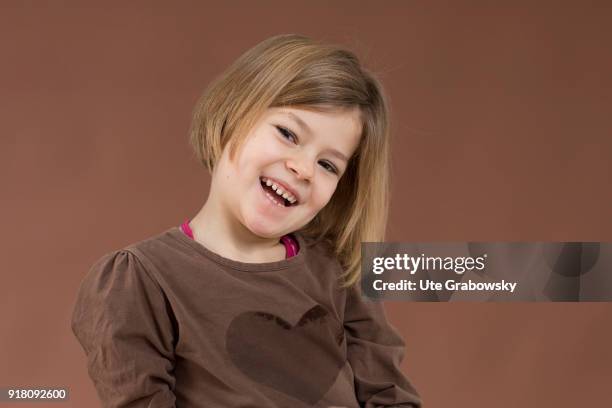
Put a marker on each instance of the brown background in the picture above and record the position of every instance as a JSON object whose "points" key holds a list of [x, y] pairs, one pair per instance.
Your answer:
{"points": [[501, 123]]}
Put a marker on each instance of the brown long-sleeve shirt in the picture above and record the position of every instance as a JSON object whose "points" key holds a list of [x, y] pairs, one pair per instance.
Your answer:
{"points": [[165, 322]]}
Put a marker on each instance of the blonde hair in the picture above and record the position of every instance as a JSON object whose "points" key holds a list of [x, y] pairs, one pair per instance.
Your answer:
{"points": [[293, 70]]}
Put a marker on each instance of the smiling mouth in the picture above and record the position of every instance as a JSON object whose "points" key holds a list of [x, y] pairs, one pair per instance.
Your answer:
{"points": [[280, 200]]}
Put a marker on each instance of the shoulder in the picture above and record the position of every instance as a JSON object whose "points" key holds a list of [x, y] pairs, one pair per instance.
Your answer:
{"points": [[133, 265], [136, 266], [116, 274], [161, 244], [157, 253]]}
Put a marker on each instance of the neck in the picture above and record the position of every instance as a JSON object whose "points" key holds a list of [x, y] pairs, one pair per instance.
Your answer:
{"points": [[220, 232]]}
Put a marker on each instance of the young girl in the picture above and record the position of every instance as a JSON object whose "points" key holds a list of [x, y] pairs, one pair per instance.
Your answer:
{"points": [[255, 301]]}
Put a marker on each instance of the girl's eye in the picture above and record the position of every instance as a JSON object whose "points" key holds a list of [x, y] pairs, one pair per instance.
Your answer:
{"points": [[329, 167], [286, 133]]}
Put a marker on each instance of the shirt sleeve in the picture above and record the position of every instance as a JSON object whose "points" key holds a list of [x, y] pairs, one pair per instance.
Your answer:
{"points": [[124, 323], [375, 352]]}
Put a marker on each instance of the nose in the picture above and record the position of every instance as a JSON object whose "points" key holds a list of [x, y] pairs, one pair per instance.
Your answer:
{"points": [[301, 167]]}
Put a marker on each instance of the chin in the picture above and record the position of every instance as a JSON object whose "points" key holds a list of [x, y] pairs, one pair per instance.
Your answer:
{"points": [[262, 230]]}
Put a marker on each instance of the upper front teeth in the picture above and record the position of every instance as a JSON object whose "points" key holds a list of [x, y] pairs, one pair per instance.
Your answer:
{"points": [[278, 190]]}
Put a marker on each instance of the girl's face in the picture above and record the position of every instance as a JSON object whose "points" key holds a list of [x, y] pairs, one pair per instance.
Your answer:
{"points": [[304, 153]]}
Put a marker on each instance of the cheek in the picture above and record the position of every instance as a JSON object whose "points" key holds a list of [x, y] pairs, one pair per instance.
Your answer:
{"points": [[258, 151], [323, 194]]}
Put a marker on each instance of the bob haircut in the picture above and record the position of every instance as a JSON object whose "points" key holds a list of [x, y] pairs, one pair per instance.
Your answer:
{"points": [[292, 70]]}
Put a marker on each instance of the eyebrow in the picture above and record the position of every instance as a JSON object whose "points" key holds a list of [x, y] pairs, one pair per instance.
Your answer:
{"points": [[306, 129]]}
